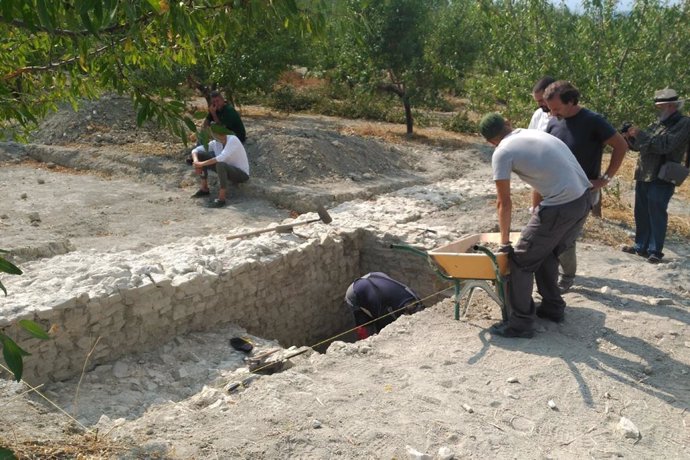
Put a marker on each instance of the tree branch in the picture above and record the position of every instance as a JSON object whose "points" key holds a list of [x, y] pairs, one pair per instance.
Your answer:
{"points": [[75, 33], [54, 65]]}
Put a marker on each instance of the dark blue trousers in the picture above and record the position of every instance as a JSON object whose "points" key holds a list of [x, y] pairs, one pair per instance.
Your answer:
{"points": [[651, 215]]}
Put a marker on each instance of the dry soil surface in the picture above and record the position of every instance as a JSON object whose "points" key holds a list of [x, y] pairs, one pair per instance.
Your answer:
{"points": [[613, 380]]}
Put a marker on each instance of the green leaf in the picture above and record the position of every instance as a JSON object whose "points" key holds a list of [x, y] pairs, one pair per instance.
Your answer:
{"points": [[6, 454], [190, 123], [13, 356], [8, 267], [141, 114], [98, 14], [33, 328], [44, 15], [156, 5], [200, 115], [6, 8], [86, 19], [220, 129]]}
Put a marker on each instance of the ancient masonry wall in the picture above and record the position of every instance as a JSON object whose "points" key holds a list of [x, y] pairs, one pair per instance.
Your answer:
{"points": [[295, 298], [284, 287]]}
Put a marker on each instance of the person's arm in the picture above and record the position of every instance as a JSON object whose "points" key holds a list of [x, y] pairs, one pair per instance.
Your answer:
{"points": [[620, 146], [671, 140], [536, 199], [201, 164], [504, 208]]}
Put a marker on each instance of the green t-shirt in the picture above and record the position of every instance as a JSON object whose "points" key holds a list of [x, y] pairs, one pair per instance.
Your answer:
{"points": [[229, 118]]}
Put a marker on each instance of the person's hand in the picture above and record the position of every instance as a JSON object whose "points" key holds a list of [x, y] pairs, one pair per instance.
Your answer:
{"points": [[506, 248], [599, 183], [632, 132]]}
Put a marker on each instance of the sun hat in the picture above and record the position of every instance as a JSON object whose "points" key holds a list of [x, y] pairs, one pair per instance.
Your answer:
{"points": [[491, 125], [666, 95]]}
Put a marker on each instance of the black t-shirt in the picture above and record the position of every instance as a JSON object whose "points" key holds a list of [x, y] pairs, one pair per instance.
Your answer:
{"points": [[585, 134]]}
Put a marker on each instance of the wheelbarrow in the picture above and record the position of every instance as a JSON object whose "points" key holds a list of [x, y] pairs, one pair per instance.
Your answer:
{"points": [[482, 269]]}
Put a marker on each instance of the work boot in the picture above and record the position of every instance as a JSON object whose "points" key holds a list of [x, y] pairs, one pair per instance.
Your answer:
{"points": [[564, 284], [505, 330]]}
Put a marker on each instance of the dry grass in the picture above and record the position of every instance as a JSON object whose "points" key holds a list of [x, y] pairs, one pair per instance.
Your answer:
{"points": [[75, 447], [612, 230]]}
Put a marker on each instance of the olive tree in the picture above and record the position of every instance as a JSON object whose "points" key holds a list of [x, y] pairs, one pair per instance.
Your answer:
{"points": [[53, 52]]}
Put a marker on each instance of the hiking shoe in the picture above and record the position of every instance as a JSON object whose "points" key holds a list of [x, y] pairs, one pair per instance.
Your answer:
{"points": [[216, 203], [199, 193], [633, 250], [654, 259], [550, 316], [564, 284], [505, 330]]}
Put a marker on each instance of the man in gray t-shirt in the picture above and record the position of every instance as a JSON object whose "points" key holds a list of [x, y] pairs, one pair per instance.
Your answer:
{"points": [[561, 201]]}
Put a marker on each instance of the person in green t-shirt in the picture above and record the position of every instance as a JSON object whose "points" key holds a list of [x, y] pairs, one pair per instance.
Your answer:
{"points": [[222, 113]]}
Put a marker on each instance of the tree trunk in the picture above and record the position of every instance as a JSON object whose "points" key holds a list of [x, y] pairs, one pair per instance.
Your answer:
{"points": [[408, 114]]}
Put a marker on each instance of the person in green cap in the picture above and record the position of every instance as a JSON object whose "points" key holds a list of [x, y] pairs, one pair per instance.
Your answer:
{"points": [[561, 201]]}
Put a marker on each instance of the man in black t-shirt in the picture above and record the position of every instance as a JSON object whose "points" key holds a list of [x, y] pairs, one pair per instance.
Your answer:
{"points": [[586, 133]]}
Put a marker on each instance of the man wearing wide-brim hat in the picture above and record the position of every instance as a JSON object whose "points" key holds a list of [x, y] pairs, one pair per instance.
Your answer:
{"points": [[665, 140]]}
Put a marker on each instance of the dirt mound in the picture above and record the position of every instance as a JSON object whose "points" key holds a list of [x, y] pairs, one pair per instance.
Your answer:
{"points": [[292, 150]]}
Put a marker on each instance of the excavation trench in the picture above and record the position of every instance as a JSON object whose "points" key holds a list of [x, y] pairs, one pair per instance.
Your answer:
{"points": [[293, 295]]}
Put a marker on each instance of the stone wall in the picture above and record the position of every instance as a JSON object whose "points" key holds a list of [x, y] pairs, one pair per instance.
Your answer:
{"points": [[283, 287], [294, 298]]}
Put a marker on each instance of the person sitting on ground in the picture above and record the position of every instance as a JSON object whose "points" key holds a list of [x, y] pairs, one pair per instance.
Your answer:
{"points": [[224, 114], [377, 296], [227, 158], [665, 140]]}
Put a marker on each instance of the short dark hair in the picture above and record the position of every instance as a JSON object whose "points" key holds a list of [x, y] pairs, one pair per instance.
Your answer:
{"points": [[542, 84], [565, 91]]}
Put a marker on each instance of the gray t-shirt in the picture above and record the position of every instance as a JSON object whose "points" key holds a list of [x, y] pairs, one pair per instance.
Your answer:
{"points": [[542, 161]]}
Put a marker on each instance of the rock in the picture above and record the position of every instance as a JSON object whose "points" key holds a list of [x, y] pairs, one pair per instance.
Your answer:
{"points": [[605, 290], [34, 217], [120, 370], [512, 380], [660, 301], [510, 395], [628, 429], [316, 424], [552, 404], [444, 453], [41, 181], [23, 196], [413, 454], [468, 408]]}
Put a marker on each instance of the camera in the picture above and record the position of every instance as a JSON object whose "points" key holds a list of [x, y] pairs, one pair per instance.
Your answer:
{"points": [[625, 127]]}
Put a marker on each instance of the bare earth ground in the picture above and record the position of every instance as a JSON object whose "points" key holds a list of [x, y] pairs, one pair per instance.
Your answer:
{"points": [[426, 384]]}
